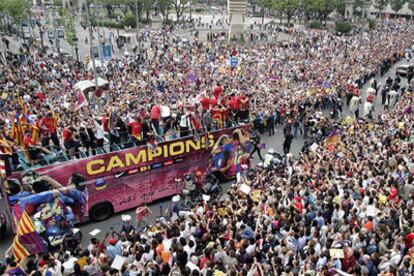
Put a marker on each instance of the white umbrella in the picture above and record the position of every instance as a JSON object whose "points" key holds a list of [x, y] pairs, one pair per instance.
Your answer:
{"points": [[83, 85], [101, 82]]}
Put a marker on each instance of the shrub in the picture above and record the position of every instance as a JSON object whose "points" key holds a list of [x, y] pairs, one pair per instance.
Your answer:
{"points": [[372, 24], [315, 25], [343, 27], [129, 20]]}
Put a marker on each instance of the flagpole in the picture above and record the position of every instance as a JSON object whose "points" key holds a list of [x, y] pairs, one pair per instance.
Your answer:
{"points": [[91, 44]]}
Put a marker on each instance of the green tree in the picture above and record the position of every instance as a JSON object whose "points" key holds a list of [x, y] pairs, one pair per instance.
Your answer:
{"points": [[397, 5], [320, 9], [67, 21], [180, 6], [264, 5], [17, 10], [163, 7], [109, 6], [287, 7], [380, 5], [147, 6]]}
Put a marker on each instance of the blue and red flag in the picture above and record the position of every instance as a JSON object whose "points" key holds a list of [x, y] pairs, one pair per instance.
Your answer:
{"points": [[27, 240]]}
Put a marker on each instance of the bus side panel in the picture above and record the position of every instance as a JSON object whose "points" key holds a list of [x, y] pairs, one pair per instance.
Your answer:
{"points": [[131, 177]]}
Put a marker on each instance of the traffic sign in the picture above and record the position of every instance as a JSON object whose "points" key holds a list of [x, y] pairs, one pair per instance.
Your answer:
{"points": [[233, 62], [51, 34], [95, 52], [106, 51], [60, 33]]}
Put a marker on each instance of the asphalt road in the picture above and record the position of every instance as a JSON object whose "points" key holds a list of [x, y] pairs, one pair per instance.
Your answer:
{"points": [[115, 221]]}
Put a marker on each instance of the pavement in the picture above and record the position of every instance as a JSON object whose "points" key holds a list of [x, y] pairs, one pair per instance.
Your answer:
{"points": [[275, 142], [47, 20]]}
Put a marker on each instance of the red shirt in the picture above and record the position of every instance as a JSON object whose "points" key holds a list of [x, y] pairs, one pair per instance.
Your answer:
{"points": [[49, 123], [217, 92], [243, 106], [40, 96], [370, 98], [224, 101], [213, 102], [298, 205], [67, 135], [27, 140], [205, 103], [409, 238], [234, 104], [156, 112], [136, 129], [105, 123]]}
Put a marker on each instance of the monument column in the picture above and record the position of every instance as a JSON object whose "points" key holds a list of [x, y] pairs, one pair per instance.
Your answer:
{"points": [[237, 12], [367, 9], [349, 9]]}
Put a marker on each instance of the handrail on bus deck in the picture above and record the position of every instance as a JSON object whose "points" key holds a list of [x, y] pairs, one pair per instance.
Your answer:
{"points": [[101, 150]]}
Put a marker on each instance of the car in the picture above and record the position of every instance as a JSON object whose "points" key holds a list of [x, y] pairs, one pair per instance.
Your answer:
{"points": [[403, 69]]}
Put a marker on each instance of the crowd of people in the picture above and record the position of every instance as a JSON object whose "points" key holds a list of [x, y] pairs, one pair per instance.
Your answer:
{"points": [[342, 207]]}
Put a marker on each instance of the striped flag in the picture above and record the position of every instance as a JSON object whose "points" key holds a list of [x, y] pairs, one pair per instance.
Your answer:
{"points": [[27, 240], [2, 168]]}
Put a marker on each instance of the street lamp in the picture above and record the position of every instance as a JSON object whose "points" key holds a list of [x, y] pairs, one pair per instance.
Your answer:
{"points": [[75, 41], [42, 45]]}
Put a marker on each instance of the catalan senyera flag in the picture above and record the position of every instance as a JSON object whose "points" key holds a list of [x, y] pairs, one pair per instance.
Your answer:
{"points": [[35, 134], [27, 240]]}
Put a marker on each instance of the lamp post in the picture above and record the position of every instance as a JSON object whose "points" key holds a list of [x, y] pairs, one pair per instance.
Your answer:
{"points": [[75, 41], [88, 15], [42, 45]]}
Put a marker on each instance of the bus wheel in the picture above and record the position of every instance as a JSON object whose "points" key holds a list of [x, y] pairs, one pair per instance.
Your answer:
{"points": [[101, 211]]}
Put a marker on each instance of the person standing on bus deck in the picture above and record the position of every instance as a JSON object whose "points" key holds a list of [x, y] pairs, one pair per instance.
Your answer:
{"points": [[166, 119], [205, 102], [48, 126], [99, 133], [71, 145], [185, 124], [243, 102], [155, 118], [134, 130], [234, 107], [114, 137]]}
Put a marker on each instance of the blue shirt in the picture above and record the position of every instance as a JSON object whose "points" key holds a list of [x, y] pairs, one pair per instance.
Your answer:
{"points": [[248, 233], [113, 250]]}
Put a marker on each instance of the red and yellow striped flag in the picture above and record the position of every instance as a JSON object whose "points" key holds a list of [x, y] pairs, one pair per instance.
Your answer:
{"points": [[27, 241]]}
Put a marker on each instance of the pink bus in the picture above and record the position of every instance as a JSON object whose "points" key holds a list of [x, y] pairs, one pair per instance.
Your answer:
{"points": [[96, 187]]}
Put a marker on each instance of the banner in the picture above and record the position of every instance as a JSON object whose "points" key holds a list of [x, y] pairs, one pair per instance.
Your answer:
{"points": [[125, 179]]}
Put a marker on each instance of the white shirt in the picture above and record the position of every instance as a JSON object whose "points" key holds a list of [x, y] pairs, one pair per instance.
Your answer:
{"points": [[189, 250], [165, 111], [68, 265], [192, 266], [251, 248], [99, 133], [184, 120]]}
